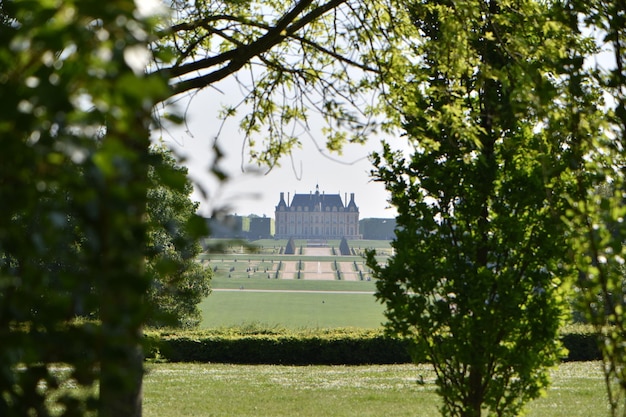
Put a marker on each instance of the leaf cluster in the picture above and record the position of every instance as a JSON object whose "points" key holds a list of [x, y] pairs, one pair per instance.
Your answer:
{"points": [[291, 61], [73, 182]]}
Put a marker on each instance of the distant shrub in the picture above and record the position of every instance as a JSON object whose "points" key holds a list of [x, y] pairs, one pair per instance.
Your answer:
{"points": [[344, 248], [290, 249], [581, 341]]}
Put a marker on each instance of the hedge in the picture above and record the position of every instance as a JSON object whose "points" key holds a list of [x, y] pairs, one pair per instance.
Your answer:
{"points": [[315, 347]]}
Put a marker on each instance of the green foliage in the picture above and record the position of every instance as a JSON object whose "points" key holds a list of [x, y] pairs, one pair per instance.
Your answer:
{"points": [[303, 64], [476, 280], [73, 182], [179, 282], [279, 346], [597, 206]]}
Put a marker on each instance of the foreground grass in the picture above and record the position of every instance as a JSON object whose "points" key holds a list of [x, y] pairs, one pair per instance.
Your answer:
{"points": [[390, 390]]}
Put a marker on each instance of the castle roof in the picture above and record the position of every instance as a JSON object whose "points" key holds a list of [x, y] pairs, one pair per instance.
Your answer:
{"points": [[316, 202]]}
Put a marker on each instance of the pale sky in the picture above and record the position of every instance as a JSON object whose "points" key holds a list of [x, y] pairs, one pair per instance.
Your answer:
{"points": [[253, 191], [258, 193]]}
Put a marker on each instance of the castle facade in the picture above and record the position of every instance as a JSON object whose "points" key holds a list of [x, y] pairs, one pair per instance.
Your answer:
{"points": [[317, 216]]}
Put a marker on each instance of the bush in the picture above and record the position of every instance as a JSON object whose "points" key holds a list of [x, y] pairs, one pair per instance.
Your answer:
{"points": [[581, 341], [290, 249], [344, 248], [336, 346], [262, 345]]}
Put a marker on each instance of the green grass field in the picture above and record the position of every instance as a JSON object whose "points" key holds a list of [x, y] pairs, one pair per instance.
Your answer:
{"points": [[217, 390], [294, 310], [237, 269]]}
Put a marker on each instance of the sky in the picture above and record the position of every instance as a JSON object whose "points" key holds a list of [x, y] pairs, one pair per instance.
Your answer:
{"points": [[251, 190]]}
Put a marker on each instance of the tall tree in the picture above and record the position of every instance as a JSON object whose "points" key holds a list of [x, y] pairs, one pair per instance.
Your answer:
{"points": [[74, 125], [476, 277]]}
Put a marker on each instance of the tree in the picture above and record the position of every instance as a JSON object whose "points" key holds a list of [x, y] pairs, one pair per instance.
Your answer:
{"points": [[179, 282], [74, 168], [68, 72], [476, 281]]}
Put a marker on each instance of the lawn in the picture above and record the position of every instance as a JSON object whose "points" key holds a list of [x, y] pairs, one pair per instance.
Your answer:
{"points": [[294, 310], [201, 390], [305, 307]]}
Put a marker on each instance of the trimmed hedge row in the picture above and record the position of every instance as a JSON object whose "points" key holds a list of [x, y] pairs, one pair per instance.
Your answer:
{"points": [[321, 347], [581, 343], [347, 347]]}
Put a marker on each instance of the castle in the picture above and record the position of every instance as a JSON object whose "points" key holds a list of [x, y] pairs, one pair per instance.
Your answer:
{"points": [[317, 216]]}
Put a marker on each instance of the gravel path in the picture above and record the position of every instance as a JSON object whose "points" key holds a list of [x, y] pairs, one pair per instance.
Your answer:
{"points": [[319, 271], [317, 252], [347, 271]]}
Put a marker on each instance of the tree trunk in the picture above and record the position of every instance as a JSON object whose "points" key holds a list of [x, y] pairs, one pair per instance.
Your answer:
{"points": [[121, 365], [123, 283], [121, 382], [474, 403]]}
